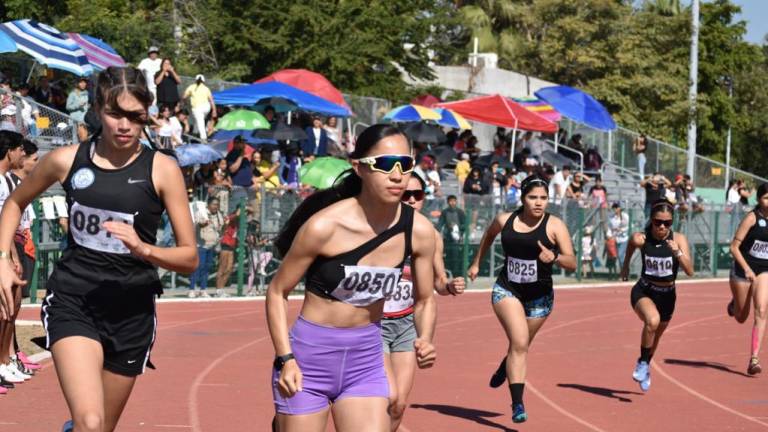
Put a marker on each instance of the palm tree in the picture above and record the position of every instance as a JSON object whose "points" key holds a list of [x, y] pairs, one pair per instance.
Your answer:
{"points": [[495, 24]]}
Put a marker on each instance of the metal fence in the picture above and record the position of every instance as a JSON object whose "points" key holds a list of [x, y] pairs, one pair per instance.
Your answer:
{"points": [[44, 125]]}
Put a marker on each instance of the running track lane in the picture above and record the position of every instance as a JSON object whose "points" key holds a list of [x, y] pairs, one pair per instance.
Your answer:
{"points": [[213, 371]]}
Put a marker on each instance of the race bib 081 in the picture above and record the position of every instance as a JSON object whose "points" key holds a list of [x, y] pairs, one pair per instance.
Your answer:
{"points": [[85, 224], [658, 266], [521, 271], [759, 250], [364, 285]]}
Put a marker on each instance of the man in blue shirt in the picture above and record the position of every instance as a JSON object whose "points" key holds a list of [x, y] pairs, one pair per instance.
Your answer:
{"points": [[239, 166], [316, 143]]}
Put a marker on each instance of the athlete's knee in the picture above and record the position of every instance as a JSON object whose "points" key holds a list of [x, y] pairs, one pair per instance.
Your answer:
{"points": [[397, 409], [761, 312], [518, 349], [742, 315], [89, 421], [652, 323]]}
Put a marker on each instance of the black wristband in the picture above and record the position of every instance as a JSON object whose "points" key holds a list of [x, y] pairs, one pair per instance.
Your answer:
{"points": [[557, 254]]}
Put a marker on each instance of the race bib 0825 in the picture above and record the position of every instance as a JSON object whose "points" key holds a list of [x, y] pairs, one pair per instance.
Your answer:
{"points": [[658, 266], [521, 271], [759, 250], [363, 285], [85, 224]]}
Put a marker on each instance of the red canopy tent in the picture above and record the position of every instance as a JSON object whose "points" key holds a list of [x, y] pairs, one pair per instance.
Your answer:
{"points": [[310, 82], [426, 100]]}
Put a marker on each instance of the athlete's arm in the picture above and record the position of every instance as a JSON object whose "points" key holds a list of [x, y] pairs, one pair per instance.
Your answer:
{"points": [[685, 260], [52, 167], [567, 257], [490, 234], [635, 242], [423, 273], [169, 183], [441, 279], [741, 233]]}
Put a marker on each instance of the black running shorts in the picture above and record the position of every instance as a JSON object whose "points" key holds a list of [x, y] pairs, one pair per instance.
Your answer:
{"points": [[663, 297], [123, 320]]}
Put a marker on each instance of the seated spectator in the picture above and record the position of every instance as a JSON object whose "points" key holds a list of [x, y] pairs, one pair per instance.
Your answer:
{"points": [[575, 189], [461, 143], [475, 184], [592, 160], [42, 93], [471, 148]]}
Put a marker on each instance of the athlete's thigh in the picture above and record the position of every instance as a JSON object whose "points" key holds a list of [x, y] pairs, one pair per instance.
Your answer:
{"points": [[511, 314], [404, 365], [314, 422], [760, 291], [741, 291], [646, 310], [79, 362], [117, 389], [361, 414], [534, 325], [391, 379]]}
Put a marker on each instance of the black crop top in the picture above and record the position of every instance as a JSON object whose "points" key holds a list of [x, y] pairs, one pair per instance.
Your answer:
{"points": [[524, 273], [339, 277], [659, 263]]}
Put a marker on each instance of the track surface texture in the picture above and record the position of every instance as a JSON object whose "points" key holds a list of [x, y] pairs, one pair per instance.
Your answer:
{"points": [[214, 361]]}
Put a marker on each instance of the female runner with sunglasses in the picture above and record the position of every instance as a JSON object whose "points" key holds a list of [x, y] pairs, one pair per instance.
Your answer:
{"points": [[397, 327], [99, 310], [653, 296], [749, 275], [522, 297], [350, 242]]}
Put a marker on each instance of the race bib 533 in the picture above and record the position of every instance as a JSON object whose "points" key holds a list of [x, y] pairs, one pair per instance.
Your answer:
{"points": [[364, 285], [85, 224]]}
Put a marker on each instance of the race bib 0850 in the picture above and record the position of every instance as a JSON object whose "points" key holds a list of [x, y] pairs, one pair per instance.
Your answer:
{"points": [[364, 285], [85, 224], [658, 266], [521, 271], [759, 250]]}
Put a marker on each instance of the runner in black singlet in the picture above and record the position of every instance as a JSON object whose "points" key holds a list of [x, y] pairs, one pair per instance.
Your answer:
{"points": [[99, 311]]}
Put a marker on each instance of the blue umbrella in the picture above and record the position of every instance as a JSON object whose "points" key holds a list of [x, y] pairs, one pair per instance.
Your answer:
{"points": [[228, 135], [252, 94], [194, 154], [48, 46], [7, 44], [578, 106]]}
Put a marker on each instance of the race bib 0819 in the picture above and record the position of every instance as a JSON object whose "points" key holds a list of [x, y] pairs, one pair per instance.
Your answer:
{"points": [[759, 250], [521, 271], [85, 224], [363, 285]]}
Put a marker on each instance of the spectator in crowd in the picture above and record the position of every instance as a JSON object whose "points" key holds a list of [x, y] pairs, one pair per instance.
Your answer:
{"points": [[239, 166], [167, 84], [8, 118], [618, 225], [202, 103], [58, 97], [29, 112], [43, 94], [559, 184], [150, 66], [290, 164], [209, 228], [498, 180], [168, 128], [426, 169], [462, 168], [475, 183], [316, 144], [258, 253], [471, 148], [461, 143], [335, 143], [535, 145], [513, 188], [587, 252], [222, 184], [655, 189], [575, 144], [610, 253], [77, 101], [575, 189], [639, 147], [598, 195], [692, 201], [592, 160], [203, 177], [6, 95], [227, 254], [271, 115], [182, 116], [451, 225], [265, 171]]}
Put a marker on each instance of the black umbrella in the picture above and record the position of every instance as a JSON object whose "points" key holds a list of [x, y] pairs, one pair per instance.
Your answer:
{"points": [[425, 133], [443, 155], [282, 132]]}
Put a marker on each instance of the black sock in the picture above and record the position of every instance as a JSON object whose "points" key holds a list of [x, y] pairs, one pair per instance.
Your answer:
{"points": [[516, 390], [645, 354], [15, 342]]}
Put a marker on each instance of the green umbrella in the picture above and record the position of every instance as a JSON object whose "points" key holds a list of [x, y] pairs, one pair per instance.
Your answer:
{"points": [[322, 172], [242, 120]]}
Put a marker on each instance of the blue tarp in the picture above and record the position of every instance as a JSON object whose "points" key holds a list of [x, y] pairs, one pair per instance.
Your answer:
{"points": [[577, 106], [251, 94]]}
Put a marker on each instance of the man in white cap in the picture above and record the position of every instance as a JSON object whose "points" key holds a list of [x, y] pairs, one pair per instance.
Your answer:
{"points": [[201, 101], [150, 66]]}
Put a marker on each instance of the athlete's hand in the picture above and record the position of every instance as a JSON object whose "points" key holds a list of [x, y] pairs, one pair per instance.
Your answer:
{"points": [[127, 234], [8, 278], [472, 272], [673, 245], [750, 275], [425, 353], [546, 255], [457, 285], [290, 381]]}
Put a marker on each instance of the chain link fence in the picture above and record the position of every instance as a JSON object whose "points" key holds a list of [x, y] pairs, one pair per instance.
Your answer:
{"points": [[44, 125]]}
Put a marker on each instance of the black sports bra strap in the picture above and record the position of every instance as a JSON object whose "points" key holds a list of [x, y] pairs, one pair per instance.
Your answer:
{"points": [[408, 221], [390, 232]]}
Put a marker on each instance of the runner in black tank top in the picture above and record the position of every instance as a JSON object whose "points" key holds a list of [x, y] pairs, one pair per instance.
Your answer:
{"points": [[99, 312], [653, 296], [522, 296], [749, 276], [351, 242]]}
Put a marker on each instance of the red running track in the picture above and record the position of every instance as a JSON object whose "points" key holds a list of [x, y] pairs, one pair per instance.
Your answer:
{"points": [[214, 362]]}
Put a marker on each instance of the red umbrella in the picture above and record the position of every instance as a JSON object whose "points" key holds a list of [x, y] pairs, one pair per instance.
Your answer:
{"points": [[310, 82], [500, 111], [426, 100]]}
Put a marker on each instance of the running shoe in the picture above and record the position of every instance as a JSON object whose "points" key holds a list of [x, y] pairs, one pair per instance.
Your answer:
{"points": [[645, 384], [641, 371], [21, 366], [6, 384], [730, 308], [11, 366], [9, 376], [27, 362], [500, 376], [754, 367], [518, 413], [69, 426]]}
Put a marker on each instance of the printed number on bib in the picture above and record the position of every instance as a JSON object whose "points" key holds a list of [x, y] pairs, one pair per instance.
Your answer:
{"points": [[400, 298], [658, 266], [521, 271], [364, 285], [759, 250], [85, 224]]}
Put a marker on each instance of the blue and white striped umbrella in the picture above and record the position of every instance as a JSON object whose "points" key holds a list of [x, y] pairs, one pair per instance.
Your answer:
{"points": [[48, 46]]}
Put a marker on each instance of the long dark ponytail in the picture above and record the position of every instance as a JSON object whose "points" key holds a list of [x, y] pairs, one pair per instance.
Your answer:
{"points": [[761, 190], [348, 185]]}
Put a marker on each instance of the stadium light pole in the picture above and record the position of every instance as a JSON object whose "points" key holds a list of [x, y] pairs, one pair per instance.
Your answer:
{"points": [[693, 78], [728, 81]]}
